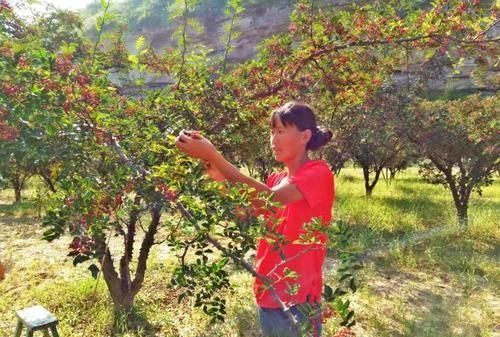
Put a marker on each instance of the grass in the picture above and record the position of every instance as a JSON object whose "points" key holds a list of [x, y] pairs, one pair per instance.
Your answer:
{"points": [[423, 275]]}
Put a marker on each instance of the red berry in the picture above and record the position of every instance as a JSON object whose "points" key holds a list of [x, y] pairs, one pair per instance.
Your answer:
{"points": [[167, 192], [4, 114], [7, 132], [49, 84], [218, 85], [10, 89], [63, 65], [345, 332], [90, 97], [118, 200], [22, 63], [67, 105], [82, 80]]}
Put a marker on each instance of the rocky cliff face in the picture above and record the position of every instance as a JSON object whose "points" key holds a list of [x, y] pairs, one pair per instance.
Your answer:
{"points": [[256, 24]]}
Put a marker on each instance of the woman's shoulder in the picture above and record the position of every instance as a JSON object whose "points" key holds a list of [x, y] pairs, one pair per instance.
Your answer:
{"points": [[318, 166]]}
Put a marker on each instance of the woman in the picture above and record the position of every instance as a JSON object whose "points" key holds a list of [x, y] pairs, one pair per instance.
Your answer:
{"points": [[306, 192]]}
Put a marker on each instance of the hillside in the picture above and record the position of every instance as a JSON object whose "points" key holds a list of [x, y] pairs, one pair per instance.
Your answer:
{"points": [[260, 20]]}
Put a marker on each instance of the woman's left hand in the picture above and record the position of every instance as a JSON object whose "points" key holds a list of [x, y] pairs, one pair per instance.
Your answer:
{"points": [[195, 145]]}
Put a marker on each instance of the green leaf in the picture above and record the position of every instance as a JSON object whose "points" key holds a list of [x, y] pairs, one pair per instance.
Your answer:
{"points": [[139, 43], [79, 259], [328, 293], [133, 59], [353, 285], [181, 297], [288, 273], [347, 318], [94, 270], [344, 277]]}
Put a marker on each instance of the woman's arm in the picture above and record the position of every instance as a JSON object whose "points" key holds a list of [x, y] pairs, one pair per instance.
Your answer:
{"points": [[212, 172], [200, 147]]}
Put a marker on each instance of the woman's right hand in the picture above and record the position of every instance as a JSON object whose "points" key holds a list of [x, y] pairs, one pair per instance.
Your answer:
{"points": [[195, 145], [213, 172]]}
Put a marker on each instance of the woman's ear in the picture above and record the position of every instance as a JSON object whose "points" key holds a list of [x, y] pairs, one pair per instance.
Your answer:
{"points": [[306, 136]]}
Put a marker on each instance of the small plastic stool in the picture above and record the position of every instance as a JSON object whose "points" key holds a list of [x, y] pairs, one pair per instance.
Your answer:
{"points": [[36, 318]]}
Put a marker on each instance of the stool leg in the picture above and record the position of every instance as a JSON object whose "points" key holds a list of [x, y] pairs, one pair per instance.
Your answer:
{"points": [[19, 329], [53, 329]]}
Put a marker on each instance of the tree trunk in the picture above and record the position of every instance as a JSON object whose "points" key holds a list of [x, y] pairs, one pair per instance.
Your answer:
{"points": [[460, 197], [121, 300], [462, 210], [48, 181], [369, 191], [366, 175], [17, 192], [370, 186], [18, 180], [462, 215], [123, 297], [147, 243], [393, 173], [262, 169], [121, 287], [17, 186]]}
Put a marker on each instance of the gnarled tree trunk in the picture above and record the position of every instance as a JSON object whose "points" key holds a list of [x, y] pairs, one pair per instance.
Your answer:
{"points": [[122, 285]]}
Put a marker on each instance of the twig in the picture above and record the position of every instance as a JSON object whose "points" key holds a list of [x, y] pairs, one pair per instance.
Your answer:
{"points": [[309, 249], [184, 48], [493, 24], [228, 44], [101, 28]]}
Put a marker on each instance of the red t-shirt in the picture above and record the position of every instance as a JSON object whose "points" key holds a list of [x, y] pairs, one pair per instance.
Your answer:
{"points": [[294, 264]]}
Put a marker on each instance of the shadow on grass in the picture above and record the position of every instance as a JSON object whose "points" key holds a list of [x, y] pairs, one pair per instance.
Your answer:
{"points": [[23, 209], [427, 211], [454, 254], [435, 315], [422, 195], [418, 308], [18, 221], [247, 322], [132, 321], [244, 320]]}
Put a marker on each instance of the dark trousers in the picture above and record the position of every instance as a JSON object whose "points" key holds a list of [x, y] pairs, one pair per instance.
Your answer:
{"points": [[277, 323]]}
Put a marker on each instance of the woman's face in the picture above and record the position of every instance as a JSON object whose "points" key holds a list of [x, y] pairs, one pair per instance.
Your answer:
{"points": [[287, 141]]}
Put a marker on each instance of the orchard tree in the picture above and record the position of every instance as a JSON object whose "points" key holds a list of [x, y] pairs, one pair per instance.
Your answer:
{"points": [[459, 139], [14, 170], [369, 134], [407, 156], [30, 148], [336, 152]]}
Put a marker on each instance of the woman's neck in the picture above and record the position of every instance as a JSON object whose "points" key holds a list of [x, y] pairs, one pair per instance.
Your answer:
{"points": [[297, 162]]}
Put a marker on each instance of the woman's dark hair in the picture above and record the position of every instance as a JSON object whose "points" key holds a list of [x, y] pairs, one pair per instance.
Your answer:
{"points": [[302, 116]]}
